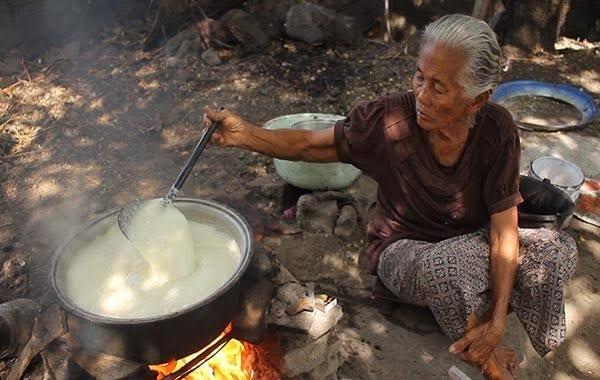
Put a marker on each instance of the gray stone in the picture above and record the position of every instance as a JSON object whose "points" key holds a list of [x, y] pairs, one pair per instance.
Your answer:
{"points": [[281, 274], [189, 48], [324, 322], [211, 57], [174, 62], [261, 262], [275, 9], [10, 65], [246, 29], [329, 367], [271, 242], [175, 42], [306, 357], [213, 33], [315, 24], [347, 222], [363, 193], [269, 186], [297, 297], [293, 307], [316, 216], [278, 316]]}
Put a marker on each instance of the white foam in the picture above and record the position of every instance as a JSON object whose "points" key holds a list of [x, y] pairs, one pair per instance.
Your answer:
{"points": [[177, 263]]}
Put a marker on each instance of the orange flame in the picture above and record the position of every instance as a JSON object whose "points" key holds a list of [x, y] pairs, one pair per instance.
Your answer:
{"points": [[227, 364]]}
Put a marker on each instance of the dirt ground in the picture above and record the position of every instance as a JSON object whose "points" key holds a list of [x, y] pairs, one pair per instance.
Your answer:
{"points": [[101, 123]]}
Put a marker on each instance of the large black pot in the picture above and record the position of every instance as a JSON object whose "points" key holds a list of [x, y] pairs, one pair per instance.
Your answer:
{"points": [[158, 339], [544, 205]]}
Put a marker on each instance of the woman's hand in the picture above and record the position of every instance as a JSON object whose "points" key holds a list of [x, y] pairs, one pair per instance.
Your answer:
{"points": [[232, 128], [476, 346]]}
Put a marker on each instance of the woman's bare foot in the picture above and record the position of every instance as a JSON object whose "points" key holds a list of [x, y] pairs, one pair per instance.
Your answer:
{"points": [[507, 358], [496, 371]]}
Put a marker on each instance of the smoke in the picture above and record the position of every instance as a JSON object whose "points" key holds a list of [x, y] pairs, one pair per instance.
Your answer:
{"points": [[33, 25], [61, 220]]}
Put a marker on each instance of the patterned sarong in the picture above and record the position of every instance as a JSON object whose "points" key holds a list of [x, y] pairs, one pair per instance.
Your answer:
{"points": [[452, 279]]}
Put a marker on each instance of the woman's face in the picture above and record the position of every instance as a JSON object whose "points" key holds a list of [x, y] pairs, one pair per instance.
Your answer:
{"points": [[441, 101]]}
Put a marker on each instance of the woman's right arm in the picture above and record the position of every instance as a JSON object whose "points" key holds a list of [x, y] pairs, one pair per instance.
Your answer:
{"points": [[287, 144]]}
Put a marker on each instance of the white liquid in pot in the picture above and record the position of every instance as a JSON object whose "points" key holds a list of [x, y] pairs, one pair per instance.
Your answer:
{"points": [[177, 263]]}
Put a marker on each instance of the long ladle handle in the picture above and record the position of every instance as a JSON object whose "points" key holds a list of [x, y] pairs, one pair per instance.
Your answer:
{"points": [[187, 168]]}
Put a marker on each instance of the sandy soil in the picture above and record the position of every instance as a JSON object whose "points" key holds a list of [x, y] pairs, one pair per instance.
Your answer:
{"points": [[108, 123]]}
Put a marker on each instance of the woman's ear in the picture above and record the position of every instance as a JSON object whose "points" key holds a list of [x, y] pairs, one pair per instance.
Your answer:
{"points": [[479, 101]]}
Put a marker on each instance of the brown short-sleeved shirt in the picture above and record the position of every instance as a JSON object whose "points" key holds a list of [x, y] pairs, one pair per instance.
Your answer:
{"points": [[418, 198]]}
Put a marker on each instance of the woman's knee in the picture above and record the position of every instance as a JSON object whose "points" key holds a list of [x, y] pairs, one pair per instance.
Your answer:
{"points": [[440, 274], [553, 255], [558, 249]]}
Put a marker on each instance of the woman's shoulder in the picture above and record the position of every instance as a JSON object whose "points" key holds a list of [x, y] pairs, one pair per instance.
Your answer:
{"points": [[497, 124], [401, 104], [386, 111]]}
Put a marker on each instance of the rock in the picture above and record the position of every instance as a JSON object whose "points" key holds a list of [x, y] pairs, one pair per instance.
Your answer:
{"points": [[189, 48], [213, 33], [175, 42], [281, 274], [271, 14], [306, 357], [66, 51], [278, 316], [13, 274], [211, 57], [269, 186], [10, 65], [276, 9], [316, 216], [271, 242], [251, 323], [347, 222], [246, 29], [293, 306], [325, 321], [294, 294], [366, 13], [329, 367], [283, 227], [335, 92], [174, 62], [261, 262], [315, 24], [363, 193]]}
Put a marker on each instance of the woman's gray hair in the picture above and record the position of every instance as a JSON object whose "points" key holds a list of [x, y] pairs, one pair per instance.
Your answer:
{"points": [[477, 41]]}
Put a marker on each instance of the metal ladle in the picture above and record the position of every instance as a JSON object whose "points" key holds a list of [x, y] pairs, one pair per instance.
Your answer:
{"points": [[129, 211]]}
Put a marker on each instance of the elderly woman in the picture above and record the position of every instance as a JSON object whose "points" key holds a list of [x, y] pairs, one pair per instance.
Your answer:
{"points": [[444, 233]]}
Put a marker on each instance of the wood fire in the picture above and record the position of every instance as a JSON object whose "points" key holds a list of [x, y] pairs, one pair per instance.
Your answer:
{"points": [[224, 362], [226, 359]]}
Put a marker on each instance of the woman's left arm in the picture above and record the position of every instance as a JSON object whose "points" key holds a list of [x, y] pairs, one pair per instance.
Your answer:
{"points": [[481, 340], [504, 251]]}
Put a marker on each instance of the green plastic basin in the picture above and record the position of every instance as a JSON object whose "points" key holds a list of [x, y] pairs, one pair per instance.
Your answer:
{"points": [[312, 176]]}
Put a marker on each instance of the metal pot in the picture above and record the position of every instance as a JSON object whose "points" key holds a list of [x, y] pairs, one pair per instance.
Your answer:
{"points": [[563, 174], [544, 205], [174, 335]]}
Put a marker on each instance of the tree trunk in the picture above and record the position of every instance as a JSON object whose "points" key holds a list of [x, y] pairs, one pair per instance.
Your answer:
{"points": [[486, 9], [534, 25]]}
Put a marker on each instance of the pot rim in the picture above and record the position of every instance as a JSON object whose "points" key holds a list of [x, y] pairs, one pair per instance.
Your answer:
{"points": [[95, 318], [567, 162]]}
